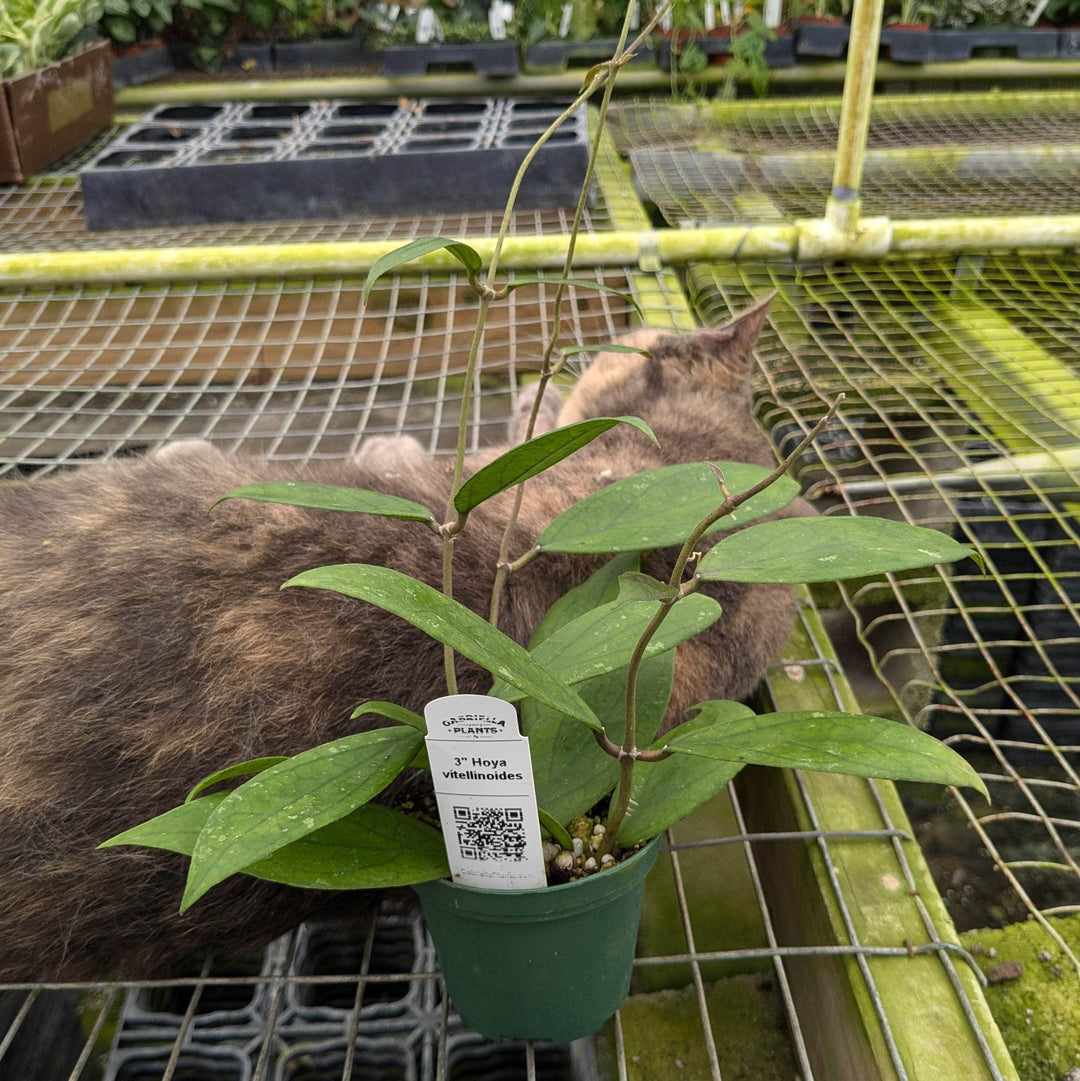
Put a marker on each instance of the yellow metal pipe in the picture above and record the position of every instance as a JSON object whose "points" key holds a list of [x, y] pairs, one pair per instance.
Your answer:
{"points": [[842, 207], [621, 248], [630, 80], [276, 261]]}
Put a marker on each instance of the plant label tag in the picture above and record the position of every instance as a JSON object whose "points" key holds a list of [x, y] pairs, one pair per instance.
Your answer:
{"points": [[635, 15], [482, 773], [564, 20], [710, 16], [498, 13], [425, 26]]}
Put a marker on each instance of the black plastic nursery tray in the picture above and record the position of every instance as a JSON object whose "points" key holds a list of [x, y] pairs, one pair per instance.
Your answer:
{"points": [[266, 161]]}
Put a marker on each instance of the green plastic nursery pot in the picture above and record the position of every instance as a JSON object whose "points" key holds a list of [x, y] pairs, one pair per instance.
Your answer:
{"points": [[550, 964]]}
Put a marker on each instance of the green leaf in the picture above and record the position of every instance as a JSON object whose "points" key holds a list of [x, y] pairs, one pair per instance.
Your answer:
{"points": [[660, 508], [829, 742], [558, 834], [332, 497], [610, 347], [394, 712], [636, 586], [463, 253], [599, 588], [451, 623], [175, 831], [603, 640], [798, 550], [579, 283], [668, 791], [528, 459], [241, 769], [570, 771], [374, 847], [293, 799], [119, 28]]}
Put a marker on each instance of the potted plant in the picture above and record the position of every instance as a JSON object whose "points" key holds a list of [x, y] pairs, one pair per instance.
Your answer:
{"points": [[966, 28], [745, 44], [135, 28], [555, 35], [323, 33], [821, 28], [592, 687], [50, 101], [214, 34], [905, 37], [440, 34]]}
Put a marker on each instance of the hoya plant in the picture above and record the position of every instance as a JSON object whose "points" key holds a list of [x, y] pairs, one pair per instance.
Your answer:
{"points": [[592, 687]]}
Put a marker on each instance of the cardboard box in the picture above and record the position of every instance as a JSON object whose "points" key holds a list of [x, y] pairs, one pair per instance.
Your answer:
{"points": [[50, 111]]}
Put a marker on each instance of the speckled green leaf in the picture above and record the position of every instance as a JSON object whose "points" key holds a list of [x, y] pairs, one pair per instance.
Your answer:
{"points": [[603, 640], [571, 772], [174, 831], [332, 497], [454, 625], [666, 792], [241, 769], [660, 508], [829, 742], [798, 550], [295, 798], [526, 460], [371, 848], [599, 588]]}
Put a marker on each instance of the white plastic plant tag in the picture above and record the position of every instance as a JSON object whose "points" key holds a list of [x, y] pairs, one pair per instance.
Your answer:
{"points": [[425, 26], [482, 773], [772, 13], [498, 13], [564, 22], [635, 15], [667, 21], [710, 15], [725, 12]]}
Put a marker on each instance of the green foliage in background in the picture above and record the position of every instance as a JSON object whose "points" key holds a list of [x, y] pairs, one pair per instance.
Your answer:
{"points": [[34, 33]]}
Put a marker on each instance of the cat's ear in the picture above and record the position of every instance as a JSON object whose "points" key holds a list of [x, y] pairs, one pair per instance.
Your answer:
{"points": [[730, 345]]}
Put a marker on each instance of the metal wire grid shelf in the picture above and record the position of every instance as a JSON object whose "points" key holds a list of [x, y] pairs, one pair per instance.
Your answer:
{"points": [[46, 214], [699, 187], [948, 364], [965, 154], [897, 121], [347, 1001], [253, 367], [294, 370]]}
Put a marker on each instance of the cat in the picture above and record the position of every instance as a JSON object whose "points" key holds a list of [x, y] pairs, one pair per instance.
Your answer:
{"points": [[145, 642]]}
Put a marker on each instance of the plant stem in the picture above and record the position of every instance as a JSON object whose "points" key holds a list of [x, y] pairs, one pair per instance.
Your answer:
{"points": [[628, 754], [503, 566]]}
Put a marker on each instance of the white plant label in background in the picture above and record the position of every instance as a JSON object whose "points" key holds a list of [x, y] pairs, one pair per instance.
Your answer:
{"points": [[725, 12], [564, 22], [709, 20], [499, 14], [635, 15], [482, 773], [772, 13], [428, 27]]}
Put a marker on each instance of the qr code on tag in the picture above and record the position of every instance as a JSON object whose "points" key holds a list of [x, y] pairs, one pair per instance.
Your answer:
{"points": [[491, 833]]}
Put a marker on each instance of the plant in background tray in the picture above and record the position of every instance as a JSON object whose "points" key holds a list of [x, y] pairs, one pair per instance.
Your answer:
{"points": [[126, 22], [214, 27], [610, 785], [35, 33]]}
